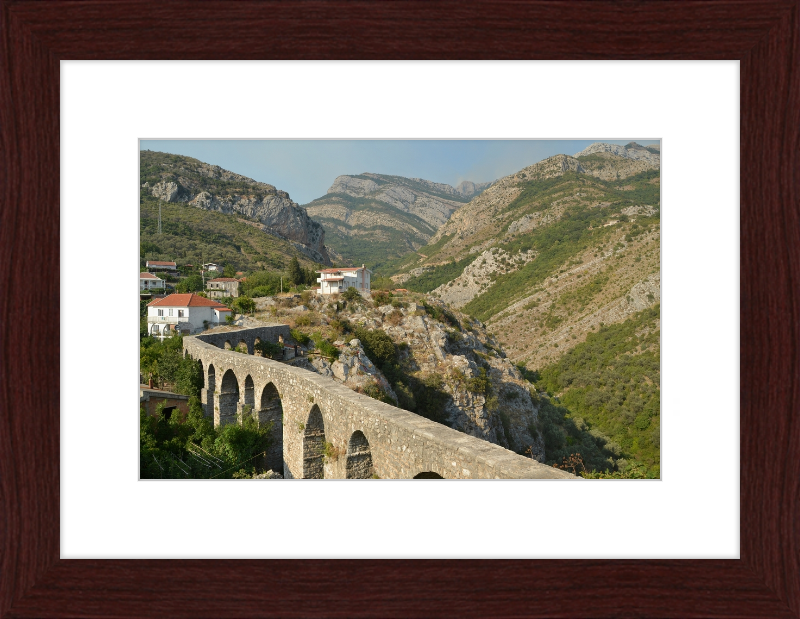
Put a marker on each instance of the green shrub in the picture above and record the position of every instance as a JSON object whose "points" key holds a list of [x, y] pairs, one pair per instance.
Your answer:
{"points": [[325, 347], [480, 384], [269, 349], [299, 337], [352, 294]]}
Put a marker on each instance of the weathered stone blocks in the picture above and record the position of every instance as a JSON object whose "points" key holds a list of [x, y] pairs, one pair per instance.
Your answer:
{"points": [[323, 429]]}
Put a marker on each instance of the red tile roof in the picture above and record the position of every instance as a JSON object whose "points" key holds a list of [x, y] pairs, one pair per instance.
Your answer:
{"points": [[328, 271], [224, 279], [187, 300], [148, 276], [163, 264]]}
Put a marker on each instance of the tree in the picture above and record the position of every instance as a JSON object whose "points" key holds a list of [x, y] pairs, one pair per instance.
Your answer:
{"points": [[193, 283], [295, 272], [244, 305], [268, 349], [352, 294], [229, 271]]}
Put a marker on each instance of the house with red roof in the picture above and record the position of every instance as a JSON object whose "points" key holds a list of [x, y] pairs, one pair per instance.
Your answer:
{"points": [[159, 265], [332, 281], [148, 281], [185, 313]]}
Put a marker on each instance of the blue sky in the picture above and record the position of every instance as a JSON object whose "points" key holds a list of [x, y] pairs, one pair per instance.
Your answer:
{"points": [[307, 168]]}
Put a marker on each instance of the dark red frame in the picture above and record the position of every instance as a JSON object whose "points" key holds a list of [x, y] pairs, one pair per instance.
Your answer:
{"points": [[763, 35]]}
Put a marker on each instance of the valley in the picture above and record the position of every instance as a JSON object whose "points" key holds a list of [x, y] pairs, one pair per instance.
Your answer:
{"points": [[524, 311]]}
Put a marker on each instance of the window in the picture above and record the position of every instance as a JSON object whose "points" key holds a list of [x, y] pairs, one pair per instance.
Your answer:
{"points": [[170, 311], [160, 312], [180, 313]]}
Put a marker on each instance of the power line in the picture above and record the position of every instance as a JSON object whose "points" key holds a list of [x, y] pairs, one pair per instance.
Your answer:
{"points": [[263, 453]]}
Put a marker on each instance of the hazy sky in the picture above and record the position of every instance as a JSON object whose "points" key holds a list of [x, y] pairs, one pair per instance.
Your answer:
{"points": [[307, 168]]}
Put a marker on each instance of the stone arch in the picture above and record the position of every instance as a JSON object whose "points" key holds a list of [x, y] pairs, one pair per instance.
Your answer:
{"points": [[211, 382], [256, 342], [359, 457], [428, 475], [249, 393], [227, 345], [272, 412], [243, 345], [202, 374], [228, 398], [314, 445]]}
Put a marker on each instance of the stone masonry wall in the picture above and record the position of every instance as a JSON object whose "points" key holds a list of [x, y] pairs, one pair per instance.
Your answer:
{"points": [[399, 444]]}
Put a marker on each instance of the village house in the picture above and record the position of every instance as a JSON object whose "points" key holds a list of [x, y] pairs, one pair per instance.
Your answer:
{"points": [[213, 266], [185, 313], [148, 281], [158, 265], [334, 281], [150, 398], [223, 287]]}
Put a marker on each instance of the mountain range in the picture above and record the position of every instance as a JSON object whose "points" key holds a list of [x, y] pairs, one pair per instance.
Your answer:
{"points": [[552, 252], [374, 218]]}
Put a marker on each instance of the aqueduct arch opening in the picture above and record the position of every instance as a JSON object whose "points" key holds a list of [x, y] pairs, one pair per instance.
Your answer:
{"points": [[242, 347], [314, 445], [377, 437], [211, 383], [271, 411], [359, 457], [228, 398]]}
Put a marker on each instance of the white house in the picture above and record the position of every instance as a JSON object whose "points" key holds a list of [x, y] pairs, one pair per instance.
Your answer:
{"points": [[212, 266], [186, 313], [333, 281], [148, 281], [158, 265]]}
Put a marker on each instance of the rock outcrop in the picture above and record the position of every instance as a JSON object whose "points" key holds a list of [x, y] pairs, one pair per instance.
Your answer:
{"points": [[212, 188], [485, 395]]}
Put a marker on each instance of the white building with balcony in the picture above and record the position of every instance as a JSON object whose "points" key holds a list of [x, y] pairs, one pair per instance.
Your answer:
{"points": [[185, 313], [332, 281], [160, 265], [148, 281]]}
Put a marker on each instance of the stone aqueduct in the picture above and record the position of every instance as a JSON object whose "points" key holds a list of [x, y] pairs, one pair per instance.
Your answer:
{"points": [[312, 414]]}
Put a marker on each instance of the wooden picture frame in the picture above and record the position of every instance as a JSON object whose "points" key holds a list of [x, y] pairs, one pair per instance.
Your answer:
{"points": [[763, 35]]}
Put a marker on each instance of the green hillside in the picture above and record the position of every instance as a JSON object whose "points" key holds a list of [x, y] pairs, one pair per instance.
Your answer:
{"points": [[611, 383], [192, 235]]}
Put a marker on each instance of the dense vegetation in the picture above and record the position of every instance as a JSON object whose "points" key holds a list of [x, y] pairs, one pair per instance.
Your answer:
{"points": [[192, 448], [191, 235], [611, 384], [438, 275], [189, 447]]}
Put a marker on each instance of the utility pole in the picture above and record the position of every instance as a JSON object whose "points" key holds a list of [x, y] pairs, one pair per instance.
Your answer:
{"points": [[159, 216], [281, 285]]}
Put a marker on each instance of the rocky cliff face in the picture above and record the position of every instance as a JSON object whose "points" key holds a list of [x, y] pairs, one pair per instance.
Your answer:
{"points": [[484, 393], [468, 189], [368, 216], [174, 178]]}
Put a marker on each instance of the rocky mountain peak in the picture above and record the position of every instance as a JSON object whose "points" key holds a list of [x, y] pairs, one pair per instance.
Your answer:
{"points": [[175, 178], [630, 151]]}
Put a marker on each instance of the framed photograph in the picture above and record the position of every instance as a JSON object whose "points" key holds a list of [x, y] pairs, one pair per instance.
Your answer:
{"points": [[762, 582]]}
